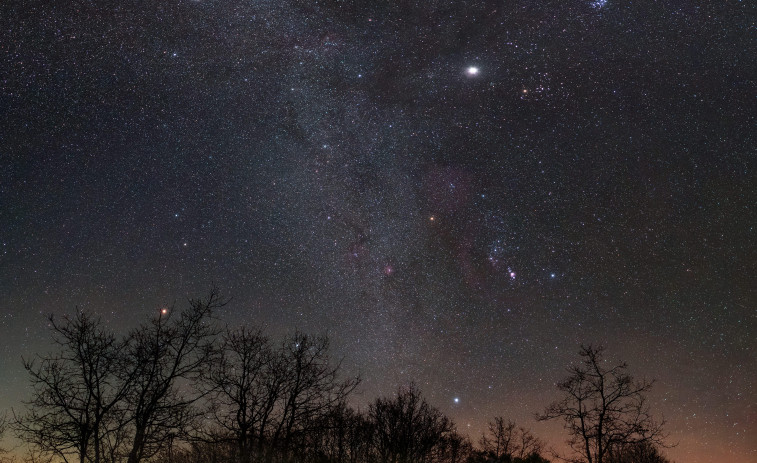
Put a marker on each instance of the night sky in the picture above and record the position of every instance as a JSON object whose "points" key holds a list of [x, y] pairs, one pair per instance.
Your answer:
{"points": [[459, 193]]}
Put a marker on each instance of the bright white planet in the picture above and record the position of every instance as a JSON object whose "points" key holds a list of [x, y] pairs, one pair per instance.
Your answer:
{"points": [[472, 71]]}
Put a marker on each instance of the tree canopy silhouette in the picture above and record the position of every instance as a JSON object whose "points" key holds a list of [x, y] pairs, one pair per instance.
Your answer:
{"points": [[76, 408], [604, 409]]}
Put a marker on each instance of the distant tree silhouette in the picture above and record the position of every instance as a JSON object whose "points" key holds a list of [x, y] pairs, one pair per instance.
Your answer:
{"points": [[407, 429], [532, 458], [454, 448], [504, 441], [644, 452], [76, 394], [500, 439], [529, 445], [604, 409]]}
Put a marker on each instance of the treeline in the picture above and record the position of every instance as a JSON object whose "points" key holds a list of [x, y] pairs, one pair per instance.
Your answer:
{"points": [[404, 428], [181, 389]]}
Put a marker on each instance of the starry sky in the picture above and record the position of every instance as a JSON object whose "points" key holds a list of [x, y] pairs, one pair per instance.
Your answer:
{"points": [[459, 193]]}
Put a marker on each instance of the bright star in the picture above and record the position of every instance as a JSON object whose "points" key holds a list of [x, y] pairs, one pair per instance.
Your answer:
{"points": [[472, 71], [456, 400]]}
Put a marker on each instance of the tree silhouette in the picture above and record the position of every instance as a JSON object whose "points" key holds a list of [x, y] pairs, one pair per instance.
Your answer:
{"points": [[500, 439], [271, 402], [341, 436], [406, 428], [3, 429], [245, 384], [175, 390], [644, 452], [454, 448], [506, 442], [162, 354], [528, 445], [604, 409], [74, 411], [311, 390]]}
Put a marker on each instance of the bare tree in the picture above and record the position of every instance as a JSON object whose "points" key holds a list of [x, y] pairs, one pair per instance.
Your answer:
{"points": [[74, 411], [603, 408], [338, 437], [529, 444], [454, 448], [3, 429], [406, 428], [103, 399], [504, 441], [500, 439], [245, 387], [353, 436], [275, 403], [311, 389], [167, 355]]}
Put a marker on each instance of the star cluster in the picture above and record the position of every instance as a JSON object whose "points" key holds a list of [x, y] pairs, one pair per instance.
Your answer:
{"points": [[458, 192]]}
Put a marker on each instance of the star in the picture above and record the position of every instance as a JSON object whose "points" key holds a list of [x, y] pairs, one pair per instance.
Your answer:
{"points": [[472, 71]]}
